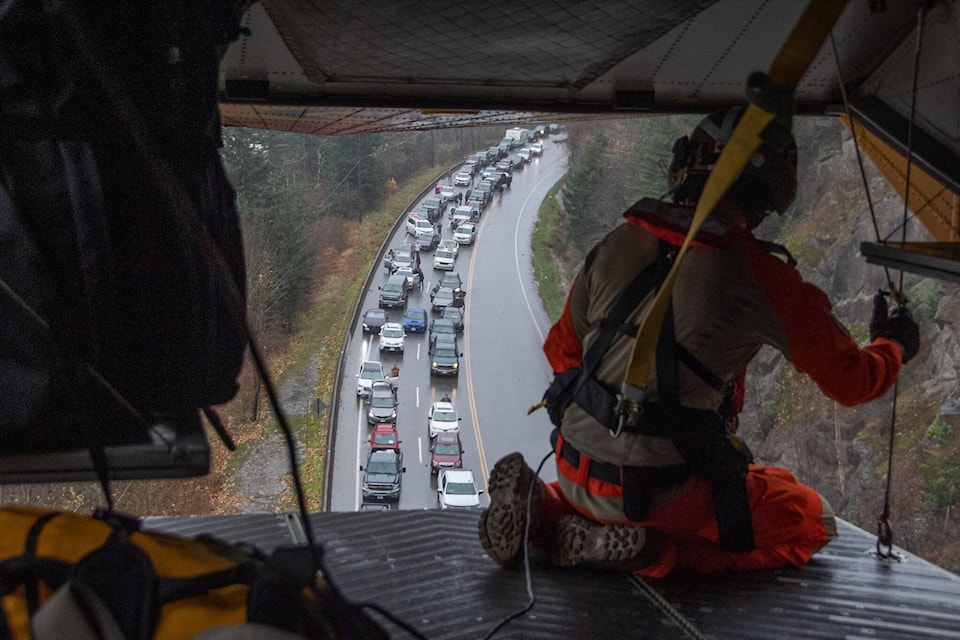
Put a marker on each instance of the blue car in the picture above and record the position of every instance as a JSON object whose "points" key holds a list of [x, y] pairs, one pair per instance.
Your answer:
{"points": [[415, 319]]}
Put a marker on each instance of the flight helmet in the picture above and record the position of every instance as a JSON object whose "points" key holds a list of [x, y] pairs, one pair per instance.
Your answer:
{"points": [[767, 183]]}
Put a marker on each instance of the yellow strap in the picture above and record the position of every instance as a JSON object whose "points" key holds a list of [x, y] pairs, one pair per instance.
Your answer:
{"points": [[789, 66]]}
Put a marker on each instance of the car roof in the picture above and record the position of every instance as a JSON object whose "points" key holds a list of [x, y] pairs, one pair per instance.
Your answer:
{"points": [[443, 436], [392, 325], [415, 310], [443, 406], [385, 427], [459, 475], [372, 364], [383, 453], [375, 312]]}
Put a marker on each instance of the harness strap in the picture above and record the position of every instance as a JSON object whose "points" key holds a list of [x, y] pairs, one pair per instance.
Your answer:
{"points": [[613, 323], [30, 551], [615, 474], [700, 369], [710, 452]]}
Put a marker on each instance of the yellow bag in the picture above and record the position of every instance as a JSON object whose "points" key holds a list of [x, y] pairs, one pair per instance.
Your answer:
{"points": [[154, 585]]}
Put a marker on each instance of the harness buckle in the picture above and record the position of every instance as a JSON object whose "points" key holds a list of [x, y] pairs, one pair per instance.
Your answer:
{"points": [[629, 408]]}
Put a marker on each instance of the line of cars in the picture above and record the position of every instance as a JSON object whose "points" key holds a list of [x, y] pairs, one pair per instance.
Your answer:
{"points": [[383, 471], [442, 321]]}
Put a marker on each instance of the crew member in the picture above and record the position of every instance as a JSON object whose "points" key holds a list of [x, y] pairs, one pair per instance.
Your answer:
{"points": [[677, 490]]}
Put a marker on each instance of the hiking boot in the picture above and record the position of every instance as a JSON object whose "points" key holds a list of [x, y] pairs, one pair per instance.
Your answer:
{"points": [[502, 525], [604, 546]]}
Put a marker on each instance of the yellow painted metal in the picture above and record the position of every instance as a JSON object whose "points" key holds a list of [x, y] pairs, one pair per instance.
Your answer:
{"points": [[936, 206]]}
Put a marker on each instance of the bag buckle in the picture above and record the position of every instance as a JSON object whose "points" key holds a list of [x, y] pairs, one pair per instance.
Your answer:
{"points": [[629, 408]]}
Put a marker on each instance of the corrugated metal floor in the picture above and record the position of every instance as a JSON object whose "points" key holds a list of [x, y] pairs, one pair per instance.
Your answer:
{"points": [[427, 568]]}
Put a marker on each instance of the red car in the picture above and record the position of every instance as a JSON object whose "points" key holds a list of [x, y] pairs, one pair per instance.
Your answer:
{"points": [[384, 436], [446, 452]]}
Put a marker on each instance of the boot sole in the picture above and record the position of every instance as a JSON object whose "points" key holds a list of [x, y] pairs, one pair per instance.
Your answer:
{"points": [[501, 526], [582, 542]]}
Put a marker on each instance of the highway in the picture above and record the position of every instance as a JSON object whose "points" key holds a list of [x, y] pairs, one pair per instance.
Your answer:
{"points": [[502, 372]]}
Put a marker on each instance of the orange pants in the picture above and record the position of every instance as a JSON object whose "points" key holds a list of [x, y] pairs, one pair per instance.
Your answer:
{"points": [[790, 520]]}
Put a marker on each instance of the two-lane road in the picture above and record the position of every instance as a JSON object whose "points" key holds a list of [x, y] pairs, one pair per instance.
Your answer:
{"points": [[503, 370]]}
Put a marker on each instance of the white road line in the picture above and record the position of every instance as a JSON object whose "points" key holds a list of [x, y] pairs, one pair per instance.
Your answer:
{"points": [[516, 251], [361, 421]]}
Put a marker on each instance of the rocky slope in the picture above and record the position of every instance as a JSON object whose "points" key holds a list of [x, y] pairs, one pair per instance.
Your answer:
{"points": [[845, 452]]}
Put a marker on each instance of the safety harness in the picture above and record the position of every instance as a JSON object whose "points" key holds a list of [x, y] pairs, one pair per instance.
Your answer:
{"points": [[704, 439]]}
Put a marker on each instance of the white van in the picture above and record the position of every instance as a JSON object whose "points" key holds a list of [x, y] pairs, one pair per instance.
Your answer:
{"points": [[444, 258], [417, 225]]}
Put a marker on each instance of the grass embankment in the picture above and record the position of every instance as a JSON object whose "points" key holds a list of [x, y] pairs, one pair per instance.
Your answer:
{"points": [[543, 246]]}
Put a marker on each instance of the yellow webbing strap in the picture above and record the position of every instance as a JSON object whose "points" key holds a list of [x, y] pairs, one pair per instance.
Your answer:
{"points": [[789, 66]]}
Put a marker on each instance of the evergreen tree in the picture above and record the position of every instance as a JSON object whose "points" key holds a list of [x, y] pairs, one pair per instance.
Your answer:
{"points": [[579, 193]]}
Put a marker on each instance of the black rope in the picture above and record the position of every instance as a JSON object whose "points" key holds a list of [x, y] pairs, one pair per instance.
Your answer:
{"points": [[884, 529], [531, 597]]}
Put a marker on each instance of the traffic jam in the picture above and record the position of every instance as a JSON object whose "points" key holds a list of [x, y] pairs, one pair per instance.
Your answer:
{"points": [[421, 304]]}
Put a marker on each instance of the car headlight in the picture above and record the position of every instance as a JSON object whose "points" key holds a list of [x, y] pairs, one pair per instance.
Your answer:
{"points": [[456, 365], [433, 365]]}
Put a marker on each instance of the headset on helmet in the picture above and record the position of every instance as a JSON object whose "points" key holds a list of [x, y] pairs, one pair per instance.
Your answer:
{"points": [[767, 183]]}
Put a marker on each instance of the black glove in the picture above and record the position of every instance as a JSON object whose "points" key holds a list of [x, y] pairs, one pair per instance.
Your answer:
{"points": [[898, 326]]}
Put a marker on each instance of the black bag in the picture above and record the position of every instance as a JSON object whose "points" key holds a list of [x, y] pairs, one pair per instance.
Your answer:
{"points": [[121, 257]]}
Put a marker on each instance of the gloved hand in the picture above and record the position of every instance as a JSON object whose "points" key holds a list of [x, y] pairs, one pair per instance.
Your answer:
{"points": [[898, 326]]}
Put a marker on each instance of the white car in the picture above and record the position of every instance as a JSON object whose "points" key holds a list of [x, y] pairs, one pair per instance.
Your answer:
{"points": [[449, 245], [536, 148], [444, 258], [370, 370], [417, 225], [414, 278], [448, 193], [392, 337], [442, 418], [457, 489], [463, 179], [465, 233]]}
